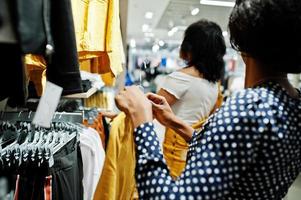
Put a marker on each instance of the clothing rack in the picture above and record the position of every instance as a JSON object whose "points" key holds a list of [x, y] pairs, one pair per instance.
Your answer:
{"points": [[27, 116]]}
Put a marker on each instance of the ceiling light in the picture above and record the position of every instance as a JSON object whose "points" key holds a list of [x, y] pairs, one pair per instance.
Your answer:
{"points": [[149, 15], [217, 3], [225, 33], [133, 43], [195, 11], [174, 29], [170, 24], [155, 48], [145, 28], [161, 43]]}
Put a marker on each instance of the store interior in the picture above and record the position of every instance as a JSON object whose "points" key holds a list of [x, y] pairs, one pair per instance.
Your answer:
{"points": [[107, 45]]}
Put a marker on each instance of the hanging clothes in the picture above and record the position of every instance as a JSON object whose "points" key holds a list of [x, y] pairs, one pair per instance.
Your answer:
{"points": [[93, 156], [7, 28], [175, 147], [66, 177], [15, 87], [33, 26], [114, 39], [46, 162], [36, 71], [98, 34], [91, 29], [13, 81], [118, 176], [63, 69], [95, 121]]}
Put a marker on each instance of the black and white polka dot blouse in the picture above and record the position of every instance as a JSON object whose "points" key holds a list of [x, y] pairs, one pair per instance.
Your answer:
{"points": [[249, 150]]}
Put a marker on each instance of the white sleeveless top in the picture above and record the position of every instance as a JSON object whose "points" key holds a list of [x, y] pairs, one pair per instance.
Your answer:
{"points": [[195, 96]]}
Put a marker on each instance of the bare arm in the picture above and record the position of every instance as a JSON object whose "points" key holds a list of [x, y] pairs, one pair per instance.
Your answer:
{"points": [[171, 99], [166, 117]]}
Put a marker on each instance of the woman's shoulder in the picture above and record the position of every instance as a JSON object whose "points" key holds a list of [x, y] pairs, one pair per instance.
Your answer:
{"points": [[187, 75], [253, 97]]}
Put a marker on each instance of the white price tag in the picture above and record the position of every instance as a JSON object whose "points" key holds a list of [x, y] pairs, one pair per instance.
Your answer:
{"points": [[47, 105]]}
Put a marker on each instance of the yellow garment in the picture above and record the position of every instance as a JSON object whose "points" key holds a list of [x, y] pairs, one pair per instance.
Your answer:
{"points": [[114, 39], [99, 100], [36, 68], [90, 22], [118, 176], [109, 79], [98, 34], [35, 61], [175, 148]]}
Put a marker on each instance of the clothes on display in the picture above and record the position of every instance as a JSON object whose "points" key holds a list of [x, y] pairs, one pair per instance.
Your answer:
{"points": [[98, 34], [7, 32], [62, 65], [40, 156], [98, 40], [118, 175], [34, 28], [101, 99], [62, 162], [16, 92], [94, 119], [93, 156], [63, 69], [39, 42]]}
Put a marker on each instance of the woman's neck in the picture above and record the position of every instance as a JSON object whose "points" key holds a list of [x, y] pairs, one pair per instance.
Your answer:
{"points": [[257, 73], [192, 71]]}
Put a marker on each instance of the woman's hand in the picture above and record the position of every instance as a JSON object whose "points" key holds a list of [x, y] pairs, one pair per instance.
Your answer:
{"points": [[134, 103], [166, 117], [161, 109]]}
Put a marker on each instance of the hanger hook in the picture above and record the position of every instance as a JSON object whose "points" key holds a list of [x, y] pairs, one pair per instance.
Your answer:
{"points": [[20, 113], [2, 114], [29, 114], [61, 114]]}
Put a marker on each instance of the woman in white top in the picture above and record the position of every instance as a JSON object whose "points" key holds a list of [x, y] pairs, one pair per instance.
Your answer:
{"points": [[193, 91]]}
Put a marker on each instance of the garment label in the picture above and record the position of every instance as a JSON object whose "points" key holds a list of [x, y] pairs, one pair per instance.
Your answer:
{"points": [[47, 105]]}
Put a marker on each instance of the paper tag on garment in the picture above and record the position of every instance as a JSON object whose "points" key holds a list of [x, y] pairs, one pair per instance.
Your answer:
{"points": [[47, 105]]}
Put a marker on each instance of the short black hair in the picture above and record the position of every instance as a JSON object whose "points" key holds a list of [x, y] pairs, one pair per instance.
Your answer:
{"points": [[269, 31], [204, 48]]}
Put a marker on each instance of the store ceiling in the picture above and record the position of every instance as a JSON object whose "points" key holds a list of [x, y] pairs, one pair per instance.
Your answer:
{"points": [[168, 14]]}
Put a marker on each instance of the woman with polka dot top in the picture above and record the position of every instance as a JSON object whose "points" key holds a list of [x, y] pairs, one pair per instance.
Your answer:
{"points": [[251, 147]]}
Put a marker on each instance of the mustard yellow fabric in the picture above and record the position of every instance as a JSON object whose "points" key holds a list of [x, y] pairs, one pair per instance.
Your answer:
{"points": [[36, 70], [114, 38], [90, 22], [35, 61], [175, 148], [99, 100], [118, 176], [109, 79], [98, 34]]}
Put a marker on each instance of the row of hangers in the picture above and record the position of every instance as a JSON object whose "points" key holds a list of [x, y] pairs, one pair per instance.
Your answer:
{"points": [[23, 145]]}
